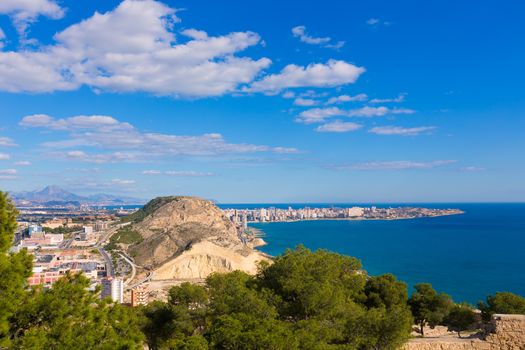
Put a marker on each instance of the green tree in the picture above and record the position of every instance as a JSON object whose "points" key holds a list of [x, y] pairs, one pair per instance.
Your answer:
{"points": [[188, 294], [502, 303], [428, 307], [247, 332], [461, 318], [15, 268], [237, 292], [313, 284], [69, 316]]}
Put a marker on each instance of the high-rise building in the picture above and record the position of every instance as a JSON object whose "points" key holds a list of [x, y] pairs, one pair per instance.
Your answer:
{"points": [[139, 296], [113, 288]]}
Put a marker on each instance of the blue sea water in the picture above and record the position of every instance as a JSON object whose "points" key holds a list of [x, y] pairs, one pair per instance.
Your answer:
{"points": [[467, 256]]}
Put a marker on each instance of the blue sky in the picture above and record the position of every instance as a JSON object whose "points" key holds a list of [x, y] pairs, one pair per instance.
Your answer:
{"points": [[238, 101]]}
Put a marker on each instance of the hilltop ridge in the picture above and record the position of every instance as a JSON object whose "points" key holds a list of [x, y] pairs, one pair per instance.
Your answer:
{"points": [[188, 237]]}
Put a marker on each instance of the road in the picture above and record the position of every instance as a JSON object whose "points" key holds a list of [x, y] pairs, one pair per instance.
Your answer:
{"points": [[133, 267], [68, 242], [110, 269], [148, 278]]}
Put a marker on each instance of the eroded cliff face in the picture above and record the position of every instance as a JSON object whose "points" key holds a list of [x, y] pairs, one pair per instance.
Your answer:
{"points": [[188, 237]]}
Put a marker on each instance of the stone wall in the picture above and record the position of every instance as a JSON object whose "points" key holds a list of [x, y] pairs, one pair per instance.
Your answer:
{"points": [[507, 333]]}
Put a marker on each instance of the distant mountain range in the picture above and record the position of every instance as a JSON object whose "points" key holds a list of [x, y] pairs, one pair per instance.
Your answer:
{"points": [[55, 196]]}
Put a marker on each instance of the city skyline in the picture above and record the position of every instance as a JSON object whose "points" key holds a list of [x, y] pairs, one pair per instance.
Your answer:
{"points": [[236, 102]]}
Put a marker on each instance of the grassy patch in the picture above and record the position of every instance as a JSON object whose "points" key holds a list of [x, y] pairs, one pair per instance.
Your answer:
{"points": [[126, 236]]}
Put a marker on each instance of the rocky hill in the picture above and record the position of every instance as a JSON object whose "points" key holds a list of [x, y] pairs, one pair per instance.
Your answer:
{"points": [[188, 237]]}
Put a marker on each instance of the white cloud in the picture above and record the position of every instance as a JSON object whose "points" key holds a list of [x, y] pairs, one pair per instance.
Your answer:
{"points": [[347, 98], [195, 34], [285, 150], [132, 48], [377, 21], [397, 130], [336, 46], [8, 172], [300, 32], [23, 163], [99, 122], [97, 158], [128, 144], [377, 111], [318, 115], [338, 126], [398, 99], [288, 94], [151, 172], [24, 12], [7, 142], [304, 102], [4, 156], [122, 182], [396, 165], [333, 73]]}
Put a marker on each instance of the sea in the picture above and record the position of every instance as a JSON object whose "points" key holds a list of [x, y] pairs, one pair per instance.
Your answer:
{"points": [[467, 256]]}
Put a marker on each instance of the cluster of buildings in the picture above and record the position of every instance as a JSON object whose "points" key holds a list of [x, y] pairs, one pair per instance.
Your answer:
{"points": [[56, 254], [241, 217]]}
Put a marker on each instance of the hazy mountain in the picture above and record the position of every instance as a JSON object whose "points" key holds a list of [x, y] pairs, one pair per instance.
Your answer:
{"points": [[54, 195]]}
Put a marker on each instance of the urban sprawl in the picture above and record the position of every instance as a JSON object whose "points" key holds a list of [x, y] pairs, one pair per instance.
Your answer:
{"points": [[242, 217], [73, 239]]}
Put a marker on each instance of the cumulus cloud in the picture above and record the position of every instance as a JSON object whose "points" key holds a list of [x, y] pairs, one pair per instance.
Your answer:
{"points": [[304, 102], [24, 12], [347, 98], [4, 156], [133, 48], [338, 126], [318, 115], [397, 99], [178, 173], [396, 165], [122, 142], [398, 130], [330, 74], [7, 142]]}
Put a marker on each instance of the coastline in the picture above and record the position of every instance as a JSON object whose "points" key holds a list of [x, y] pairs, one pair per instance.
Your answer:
{"points": [[459, 212]]}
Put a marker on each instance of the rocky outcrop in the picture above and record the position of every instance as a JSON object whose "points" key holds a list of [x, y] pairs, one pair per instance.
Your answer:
{"points": [[188, 238], [507, 333]]}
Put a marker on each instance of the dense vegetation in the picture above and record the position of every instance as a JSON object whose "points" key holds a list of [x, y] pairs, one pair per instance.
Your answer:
{"points": [[304, 300]]}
